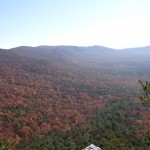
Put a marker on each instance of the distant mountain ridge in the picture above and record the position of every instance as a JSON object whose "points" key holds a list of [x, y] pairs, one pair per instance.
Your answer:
{"points": [[83, 54], [80, 48], [94, 46], [88, 50], [137, 50]]}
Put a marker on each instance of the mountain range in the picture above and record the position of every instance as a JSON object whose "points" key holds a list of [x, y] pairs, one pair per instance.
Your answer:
{"points": [[84, 54]]}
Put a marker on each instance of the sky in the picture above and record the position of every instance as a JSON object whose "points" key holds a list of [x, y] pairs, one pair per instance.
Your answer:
{"points": [[111, 23]]}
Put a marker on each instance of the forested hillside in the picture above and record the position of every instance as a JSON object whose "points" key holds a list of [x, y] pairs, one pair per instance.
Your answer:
{"points": [[68, 97]]}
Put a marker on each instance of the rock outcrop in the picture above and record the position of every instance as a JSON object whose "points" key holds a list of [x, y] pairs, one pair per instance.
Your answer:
{"points": [[92, 147]]}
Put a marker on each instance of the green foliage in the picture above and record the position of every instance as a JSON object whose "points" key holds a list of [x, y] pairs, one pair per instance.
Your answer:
{"points": [[18, 110], [112, 129], [6, 118], [146, 89], [5, 145]]}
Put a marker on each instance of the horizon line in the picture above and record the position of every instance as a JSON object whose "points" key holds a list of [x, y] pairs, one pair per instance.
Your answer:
{"points": [[74, 46]]}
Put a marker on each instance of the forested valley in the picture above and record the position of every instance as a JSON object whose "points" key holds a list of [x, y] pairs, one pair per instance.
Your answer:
{"points": [[67, 97]]}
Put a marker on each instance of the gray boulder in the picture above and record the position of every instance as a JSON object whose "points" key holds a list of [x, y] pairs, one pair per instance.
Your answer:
{"points": [[92, 147]]}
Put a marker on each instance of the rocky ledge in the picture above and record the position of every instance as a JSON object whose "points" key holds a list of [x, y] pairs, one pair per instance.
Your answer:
{"points": [[92, 147]]}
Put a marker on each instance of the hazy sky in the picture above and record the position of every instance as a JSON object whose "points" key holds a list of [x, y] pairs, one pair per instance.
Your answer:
{"points": [[111, 23]]}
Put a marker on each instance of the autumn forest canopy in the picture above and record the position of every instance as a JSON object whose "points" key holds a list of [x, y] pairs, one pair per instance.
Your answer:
{"points": [[67, 97]]}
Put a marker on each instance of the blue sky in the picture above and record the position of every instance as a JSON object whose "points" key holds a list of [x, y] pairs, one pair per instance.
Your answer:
{"points": [[111, 23]]}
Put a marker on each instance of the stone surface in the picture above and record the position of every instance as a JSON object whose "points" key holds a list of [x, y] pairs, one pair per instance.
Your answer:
{"points": [[92, 147]]}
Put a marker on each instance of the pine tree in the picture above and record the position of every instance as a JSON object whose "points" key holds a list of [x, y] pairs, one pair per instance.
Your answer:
{"points": [[146, 89]]}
